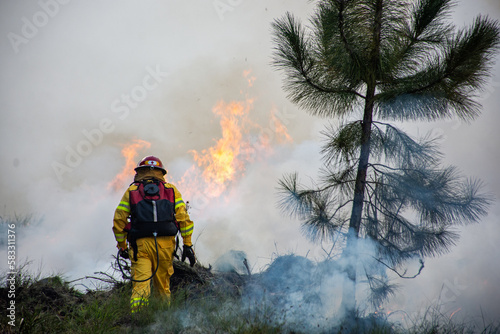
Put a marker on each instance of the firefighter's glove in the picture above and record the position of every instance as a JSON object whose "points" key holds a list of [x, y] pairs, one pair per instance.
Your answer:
{"points": [[188, 252], [124, 253]]}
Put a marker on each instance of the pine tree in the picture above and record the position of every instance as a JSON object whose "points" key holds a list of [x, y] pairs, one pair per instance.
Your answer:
{"points": [[373, 64]]}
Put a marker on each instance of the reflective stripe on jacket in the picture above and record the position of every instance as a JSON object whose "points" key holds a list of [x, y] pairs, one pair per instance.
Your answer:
{"points": [[122, 212]]}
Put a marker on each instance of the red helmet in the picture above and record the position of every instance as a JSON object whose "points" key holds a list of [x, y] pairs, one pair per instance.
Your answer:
{"points": [[151, 162]]}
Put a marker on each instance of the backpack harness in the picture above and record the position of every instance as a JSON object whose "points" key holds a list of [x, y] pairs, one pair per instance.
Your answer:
{"points": [[152, 214]]}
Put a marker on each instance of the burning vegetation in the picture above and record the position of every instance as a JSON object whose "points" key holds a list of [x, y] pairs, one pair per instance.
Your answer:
{"points": [[242, 142], [215, 168], [284, 298]]}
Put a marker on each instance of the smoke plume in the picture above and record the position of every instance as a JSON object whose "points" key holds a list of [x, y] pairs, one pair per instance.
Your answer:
{"points": [[81, 80]]}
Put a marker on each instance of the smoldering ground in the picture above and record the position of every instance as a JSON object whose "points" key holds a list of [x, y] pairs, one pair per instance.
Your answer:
{"points": [[74, 65]]}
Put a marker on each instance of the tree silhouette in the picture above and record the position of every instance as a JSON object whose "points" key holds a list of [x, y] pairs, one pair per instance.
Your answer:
{"points": [[372, 64]]}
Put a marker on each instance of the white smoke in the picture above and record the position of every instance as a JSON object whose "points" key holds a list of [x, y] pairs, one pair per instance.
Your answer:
{"points": [[81, 79]]}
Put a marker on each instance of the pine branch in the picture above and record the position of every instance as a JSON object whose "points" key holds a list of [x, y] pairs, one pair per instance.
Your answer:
{"points": [[402, 275]]}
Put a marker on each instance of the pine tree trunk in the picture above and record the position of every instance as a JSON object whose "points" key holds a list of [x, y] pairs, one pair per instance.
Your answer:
{"points": [[350, 252]]}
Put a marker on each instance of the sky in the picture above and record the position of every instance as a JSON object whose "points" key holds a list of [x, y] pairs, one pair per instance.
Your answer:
{"points": [[82, 79]]}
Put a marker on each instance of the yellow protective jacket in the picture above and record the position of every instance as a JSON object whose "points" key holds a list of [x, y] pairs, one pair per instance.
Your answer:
{"points": [[122, 212]]}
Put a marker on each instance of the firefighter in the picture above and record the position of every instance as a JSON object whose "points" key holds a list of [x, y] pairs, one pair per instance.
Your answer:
{"points": [[138, 216]]}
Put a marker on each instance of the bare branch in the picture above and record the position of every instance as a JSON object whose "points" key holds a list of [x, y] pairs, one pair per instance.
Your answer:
{"points": [[404, 273]]}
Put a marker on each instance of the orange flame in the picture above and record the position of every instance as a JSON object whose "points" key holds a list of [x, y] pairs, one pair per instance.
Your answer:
{"points": [[250, 79], [216, 167], [280, 129], [130, 152], [221, 162], [455, 312], [220, 165]]}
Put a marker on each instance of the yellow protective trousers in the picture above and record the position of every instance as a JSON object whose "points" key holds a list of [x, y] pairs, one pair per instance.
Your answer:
{"points": [[144, 267]]}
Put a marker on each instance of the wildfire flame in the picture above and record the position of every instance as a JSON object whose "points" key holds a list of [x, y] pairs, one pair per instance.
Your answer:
{"points": [[241, 142], [280, 129], [455, 312], [221, 162], [250, 79], [130, 152]]}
